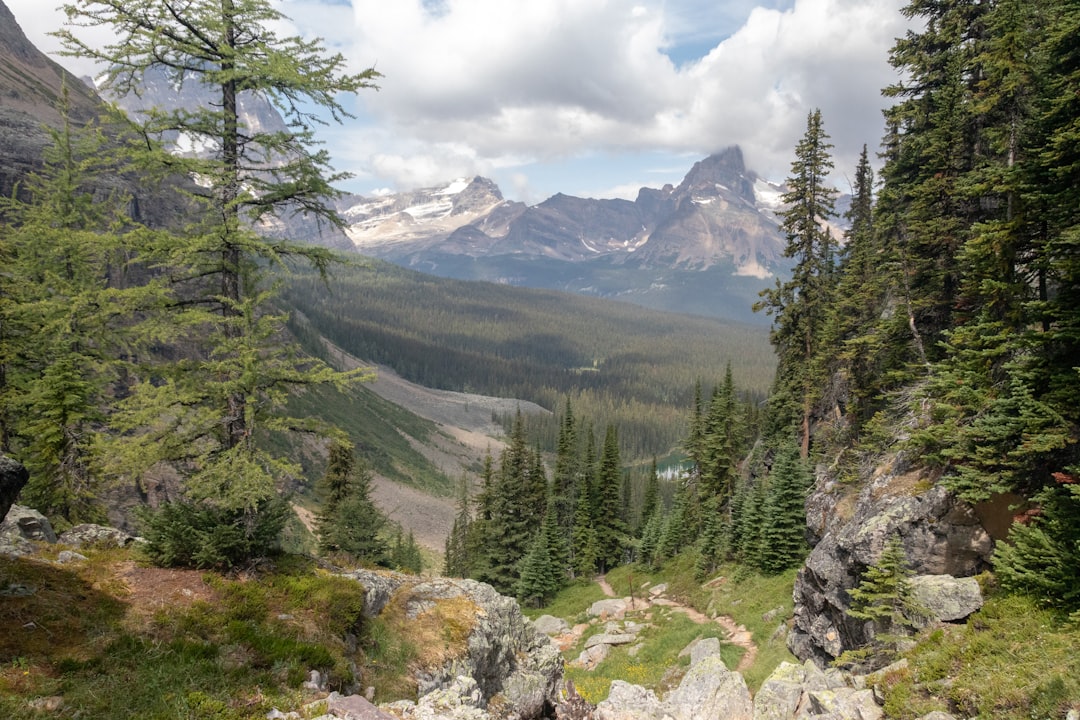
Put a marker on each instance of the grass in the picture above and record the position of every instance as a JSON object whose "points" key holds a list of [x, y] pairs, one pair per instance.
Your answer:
{"points": [[1011, 661], [656, 664], [571, 603], [749, 598], [176, 644]]}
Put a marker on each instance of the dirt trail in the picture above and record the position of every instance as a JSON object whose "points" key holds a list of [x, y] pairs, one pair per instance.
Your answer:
{"points": [[737, 634]]}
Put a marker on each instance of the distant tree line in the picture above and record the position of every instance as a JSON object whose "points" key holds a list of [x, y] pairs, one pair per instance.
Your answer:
{"points": [[619, 364]]}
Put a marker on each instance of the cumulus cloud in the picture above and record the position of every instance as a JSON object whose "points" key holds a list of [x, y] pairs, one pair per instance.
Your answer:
{"points": [[495, 87], [555, 79]]}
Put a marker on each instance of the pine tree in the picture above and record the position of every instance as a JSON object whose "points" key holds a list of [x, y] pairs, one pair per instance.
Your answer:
{"points": [[206, 414], [69, 319], [611, 531], [651, 497], [799, 306], [1042, 556], [542, 569], [567, 470], [457, 559]]}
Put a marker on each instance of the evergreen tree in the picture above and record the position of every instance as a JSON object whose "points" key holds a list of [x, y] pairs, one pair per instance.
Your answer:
{"points": [[884, 599], [69, 319], [651, 497], [651, 535], [349, 522], [206, 414], [1042, 557], [783, 531], [721, 442], [567, 470], [611, 531], [799, 306], [457, 557], [542, 568]]}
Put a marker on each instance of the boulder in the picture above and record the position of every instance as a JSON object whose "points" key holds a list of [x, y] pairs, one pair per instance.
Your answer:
{"points": [[629, 702], [709, 690], [13, 477], [551, 625], [703, 649], [610, 639], [609, 608], [947, 598], [95, 536], [353, 707], [591, 657], [505, 655], [778, 697], [941, 535], [379, 588], [843, 703], [28, 524]]}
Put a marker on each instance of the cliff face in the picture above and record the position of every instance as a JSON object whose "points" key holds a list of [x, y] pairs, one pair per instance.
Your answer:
{"points": [[941, 535]]}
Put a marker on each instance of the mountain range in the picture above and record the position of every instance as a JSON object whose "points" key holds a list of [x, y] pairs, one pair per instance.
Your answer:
{"points": [[704, 247]]}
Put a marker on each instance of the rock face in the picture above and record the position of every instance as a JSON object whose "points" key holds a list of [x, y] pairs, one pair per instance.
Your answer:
{"points": [[22, 526], [13, 477], [506, 663], [941, 536]]}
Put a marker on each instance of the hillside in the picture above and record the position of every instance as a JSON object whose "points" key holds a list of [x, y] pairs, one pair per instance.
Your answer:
{"points": [[616, 362]]}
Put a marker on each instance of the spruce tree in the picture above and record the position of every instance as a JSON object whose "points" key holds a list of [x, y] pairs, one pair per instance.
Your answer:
{"points": [[611, 531], [783, 531], [884, 599], [70, 320], [1042, 556], [457, 558], [649, 502], [349, 523], [799, 306]]}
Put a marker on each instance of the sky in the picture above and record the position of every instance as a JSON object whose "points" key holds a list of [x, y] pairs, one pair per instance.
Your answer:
{"points": [[593, 98]]}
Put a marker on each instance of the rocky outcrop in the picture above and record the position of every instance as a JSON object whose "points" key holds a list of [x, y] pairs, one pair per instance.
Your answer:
{"points": [[946, 598], [941, 536], [503, 666], [90, 535], [13, 477], [708, 690]]}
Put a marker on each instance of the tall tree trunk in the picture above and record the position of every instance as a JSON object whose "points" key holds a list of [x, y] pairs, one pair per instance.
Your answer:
{"points": [[235, 422]]}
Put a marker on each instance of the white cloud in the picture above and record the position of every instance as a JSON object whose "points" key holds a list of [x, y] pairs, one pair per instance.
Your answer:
{"points": [[559, 78], [493, 86]]}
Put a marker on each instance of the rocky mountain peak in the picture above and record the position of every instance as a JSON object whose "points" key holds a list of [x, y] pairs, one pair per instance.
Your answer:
{"points": [[725, 169], [14, 41]]}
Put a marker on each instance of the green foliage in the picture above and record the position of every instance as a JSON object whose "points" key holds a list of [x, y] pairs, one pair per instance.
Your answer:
{"points": [[800, 305], [349, 523], [1042, 556], [884, 599], [783, 533], [201, 535], [1013, 660], [208, 408]]}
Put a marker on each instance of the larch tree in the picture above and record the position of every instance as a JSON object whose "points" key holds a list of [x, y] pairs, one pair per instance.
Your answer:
{"points": [[207, 412]]}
